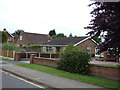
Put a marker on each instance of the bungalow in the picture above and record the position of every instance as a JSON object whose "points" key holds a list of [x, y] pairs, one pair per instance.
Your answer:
{"points": [[26, 39], [59, 44]]}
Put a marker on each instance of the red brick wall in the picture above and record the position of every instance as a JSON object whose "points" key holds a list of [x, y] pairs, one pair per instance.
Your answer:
{"points": [[46, 62], [105, 71], [96, 70]]}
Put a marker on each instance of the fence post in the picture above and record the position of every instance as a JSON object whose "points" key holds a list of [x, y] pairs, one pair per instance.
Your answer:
{"points": [[39, 54], [7, 53], [31, 58], [26, 54], [13, 55], [50, 55]]}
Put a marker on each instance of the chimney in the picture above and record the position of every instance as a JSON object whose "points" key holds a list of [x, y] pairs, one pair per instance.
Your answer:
{"points": [[4, 29]]}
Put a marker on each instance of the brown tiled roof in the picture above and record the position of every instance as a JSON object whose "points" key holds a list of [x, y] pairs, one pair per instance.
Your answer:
{"points": [[34, 38], [65, 40]]}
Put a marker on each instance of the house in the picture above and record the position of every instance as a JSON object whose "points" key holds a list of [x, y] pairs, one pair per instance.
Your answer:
{"points": [[59, 44], [27, 38], [9, 36]]}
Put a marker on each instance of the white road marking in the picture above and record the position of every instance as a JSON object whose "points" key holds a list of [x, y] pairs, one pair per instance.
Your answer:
{"points": [[23, 80]]}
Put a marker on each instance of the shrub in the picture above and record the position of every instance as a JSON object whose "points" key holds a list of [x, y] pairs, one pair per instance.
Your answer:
{"points": [[8, 46], [73, 60], [34, 45]]}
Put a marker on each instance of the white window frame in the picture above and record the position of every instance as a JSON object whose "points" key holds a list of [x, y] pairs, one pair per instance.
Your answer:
{"points": [[20, 37], [89, 49], [49, 49]]}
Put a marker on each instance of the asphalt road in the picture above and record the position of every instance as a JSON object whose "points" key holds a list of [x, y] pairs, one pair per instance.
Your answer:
{"points": [[11, 81]]}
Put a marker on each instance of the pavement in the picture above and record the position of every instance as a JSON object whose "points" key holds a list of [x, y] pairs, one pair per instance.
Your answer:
{"points": [[44, 79]]}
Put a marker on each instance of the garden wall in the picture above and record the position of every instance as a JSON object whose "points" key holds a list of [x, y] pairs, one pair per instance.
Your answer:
{"points": [[96, 70], [105, 71], [51, 62], [25, 56]]}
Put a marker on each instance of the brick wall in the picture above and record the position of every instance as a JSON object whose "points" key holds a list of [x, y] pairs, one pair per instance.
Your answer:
{"points": [[96, 70], [88, 43], [43, 61], [105, 71]]}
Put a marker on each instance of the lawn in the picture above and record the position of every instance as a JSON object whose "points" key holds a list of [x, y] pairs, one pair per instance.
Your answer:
{"points": [[84, 78], [109, 65], [5, 59]]}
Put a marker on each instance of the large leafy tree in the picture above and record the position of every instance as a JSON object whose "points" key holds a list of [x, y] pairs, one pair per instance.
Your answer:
{"points": [[52, 32], [59, 35], [17, 32], [3, 37], [70, 35], [106, 23]]}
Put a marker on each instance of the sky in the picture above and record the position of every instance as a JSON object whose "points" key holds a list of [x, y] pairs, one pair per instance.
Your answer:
{"points": [[41, 16]]}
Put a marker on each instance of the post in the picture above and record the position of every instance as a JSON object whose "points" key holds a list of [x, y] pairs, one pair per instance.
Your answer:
{"points": [[39, 54], [50, 55], [7, 53], [26, 55], [17, 56], [31, 58], [13, 55]]}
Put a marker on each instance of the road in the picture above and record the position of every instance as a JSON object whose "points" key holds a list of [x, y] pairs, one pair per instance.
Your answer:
{"points": [[11, 81]]}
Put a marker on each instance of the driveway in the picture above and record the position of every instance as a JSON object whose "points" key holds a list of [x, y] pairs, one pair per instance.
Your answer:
{"points": [[103, 62]]}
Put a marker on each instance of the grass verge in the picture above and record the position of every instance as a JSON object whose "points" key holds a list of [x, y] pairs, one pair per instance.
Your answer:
{"points": [[5, 59], [109, 65], [84, 78]]}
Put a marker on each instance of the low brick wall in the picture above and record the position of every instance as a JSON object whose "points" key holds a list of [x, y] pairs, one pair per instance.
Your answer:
{"points": [[43, 61], [96, 70], [105, 71]]}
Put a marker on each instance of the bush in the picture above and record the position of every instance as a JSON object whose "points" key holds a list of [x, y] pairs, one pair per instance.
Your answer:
{"points": [[8, 46], [34, 45], [73, 60]]}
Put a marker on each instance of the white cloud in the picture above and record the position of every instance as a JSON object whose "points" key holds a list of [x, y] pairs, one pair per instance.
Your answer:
{"points": [[40, 16]]}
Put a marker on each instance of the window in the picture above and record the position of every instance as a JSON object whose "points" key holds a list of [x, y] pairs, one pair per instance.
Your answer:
{"points": [[49, 49], [89, 49], [20, 37], [9, 39]]}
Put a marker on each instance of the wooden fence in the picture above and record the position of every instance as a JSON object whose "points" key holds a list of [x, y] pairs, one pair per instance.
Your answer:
{"points": [[7, 53]]}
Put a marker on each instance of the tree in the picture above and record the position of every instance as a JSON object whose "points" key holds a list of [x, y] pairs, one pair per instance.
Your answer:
{"points": [[106, 23], [97, 39], [70, 35], [75, 36], [9, 46], [52, 32], [17, 32], [59, 35], [3, 36]]}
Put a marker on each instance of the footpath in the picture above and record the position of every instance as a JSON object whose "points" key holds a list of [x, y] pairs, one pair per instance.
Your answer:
{"points": [[41, 78]]}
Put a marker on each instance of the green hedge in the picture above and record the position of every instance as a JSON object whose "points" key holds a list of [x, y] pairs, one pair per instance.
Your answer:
{"points": [[73, 60]]}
